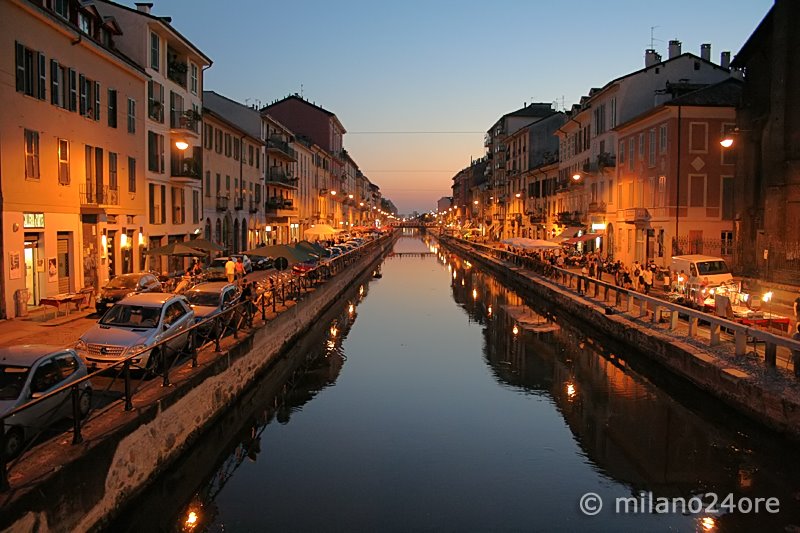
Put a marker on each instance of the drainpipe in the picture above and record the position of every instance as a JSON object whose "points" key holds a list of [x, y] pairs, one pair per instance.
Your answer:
{"points": [[676, 249]]}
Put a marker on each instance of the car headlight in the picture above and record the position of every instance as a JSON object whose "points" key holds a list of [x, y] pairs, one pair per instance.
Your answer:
{"points": [[81, 345], [135, 348]]}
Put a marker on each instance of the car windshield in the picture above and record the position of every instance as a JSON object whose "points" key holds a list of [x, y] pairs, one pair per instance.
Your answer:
{"points": [[207, 299], [12, 379], [712, 267], [132, 316], [218, 263], [123, 282]]}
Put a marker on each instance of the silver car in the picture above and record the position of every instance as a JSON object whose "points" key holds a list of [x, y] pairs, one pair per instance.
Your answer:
{"points": [[134, 324], [29, 372]]}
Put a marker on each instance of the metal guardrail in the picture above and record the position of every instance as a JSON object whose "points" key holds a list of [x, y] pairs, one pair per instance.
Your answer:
{"points": [[648, 304], [228, 322]]}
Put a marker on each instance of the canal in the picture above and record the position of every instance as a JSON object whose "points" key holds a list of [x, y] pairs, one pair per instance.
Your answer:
{"points": [[433, 398]]}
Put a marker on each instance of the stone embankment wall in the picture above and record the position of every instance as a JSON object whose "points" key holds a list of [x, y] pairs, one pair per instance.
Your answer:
{"points": [[94, 480], [761, 400]]}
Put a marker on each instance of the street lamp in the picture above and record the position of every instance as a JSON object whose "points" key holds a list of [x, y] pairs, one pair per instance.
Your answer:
{"points": [[576, 176], [181, 145]]}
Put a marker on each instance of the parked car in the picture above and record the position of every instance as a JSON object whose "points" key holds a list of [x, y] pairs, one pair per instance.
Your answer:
{"points": [[216, 269], [30, 371], [305, 266], [248, 265], [136, 323], [125, 285], [262, 263], [210, 299]]}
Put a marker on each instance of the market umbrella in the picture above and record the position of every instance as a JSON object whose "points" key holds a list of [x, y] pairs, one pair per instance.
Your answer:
{"points": [[205, 244], [311, 247], [320, 230], [293, 255], [531, 244], [178, 249]]}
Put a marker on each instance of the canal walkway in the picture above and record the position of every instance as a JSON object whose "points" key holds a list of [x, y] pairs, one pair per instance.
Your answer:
{"points": [[717, 362]]}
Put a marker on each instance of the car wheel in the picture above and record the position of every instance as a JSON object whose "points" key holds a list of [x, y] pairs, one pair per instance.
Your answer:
{"points": [[155, 363], [14, 442], [85, 403]]}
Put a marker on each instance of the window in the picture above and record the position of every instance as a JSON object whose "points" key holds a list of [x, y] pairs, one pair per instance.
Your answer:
{"points": [[227, 145], [662, 130], [610, 191], [73, 90], [178, 206], [131, 115], [698, 137], [613, 113], [208, 136], [112, 108], [63, 162], [195, 206], [56, 84], [30, 72], [155, 152], [661, 192], [193, 77], [726, 243], [155, 101], [85, 23], [158, 197], [155, 52], [113, 184], [208, 183], [236, 148], [131, 174], [258, 158], [631, 152], [697, 190], [31, 154], [218, 141], [652, 148], [97, 100], [227, 183], [621, 152], [641, 147], [61, 7], [250, 154]]}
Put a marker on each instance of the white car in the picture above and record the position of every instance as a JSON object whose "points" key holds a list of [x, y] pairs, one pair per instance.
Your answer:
{"points": [[134, 324]]}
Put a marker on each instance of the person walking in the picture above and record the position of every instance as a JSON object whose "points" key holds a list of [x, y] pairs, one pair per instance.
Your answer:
{"points": [[647, 278], [230, 270], [238, 269], [796, 353], [247, 298]]}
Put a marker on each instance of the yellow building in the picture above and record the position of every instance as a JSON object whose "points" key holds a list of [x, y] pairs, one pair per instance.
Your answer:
{"points": [[73, 152]]}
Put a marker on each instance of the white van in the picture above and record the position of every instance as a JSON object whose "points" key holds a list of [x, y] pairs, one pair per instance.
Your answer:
{"points": [[701, 267]]}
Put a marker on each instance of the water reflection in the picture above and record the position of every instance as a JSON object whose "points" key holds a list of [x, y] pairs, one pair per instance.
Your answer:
{"points": [[630, 430]]}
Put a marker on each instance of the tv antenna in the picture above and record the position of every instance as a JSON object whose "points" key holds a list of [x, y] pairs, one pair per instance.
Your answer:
{"points": [[653, 37]]}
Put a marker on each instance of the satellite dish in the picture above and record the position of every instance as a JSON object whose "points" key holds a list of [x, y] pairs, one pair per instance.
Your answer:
{"points": [[281, 263]]}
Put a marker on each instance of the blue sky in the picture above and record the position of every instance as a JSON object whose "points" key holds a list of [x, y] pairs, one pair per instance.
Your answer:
{"points": [[439, 66]]}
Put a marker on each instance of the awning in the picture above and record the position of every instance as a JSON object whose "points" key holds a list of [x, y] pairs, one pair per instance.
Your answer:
{"points": [[583, 238], [568, 233]]}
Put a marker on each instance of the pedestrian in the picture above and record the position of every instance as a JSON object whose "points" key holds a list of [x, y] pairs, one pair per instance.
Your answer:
{"points": [[238, 270], [247, 298], [667, 280], [197, 269], [796, 353], [797, 309], [230, 270], [647, 278], [583, 281]]}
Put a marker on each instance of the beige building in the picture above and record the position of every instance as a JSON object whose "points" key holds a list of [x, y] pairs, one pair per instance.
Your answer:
{"points": [[172, 111], [73, 195], [281, 181], [233, 155]]}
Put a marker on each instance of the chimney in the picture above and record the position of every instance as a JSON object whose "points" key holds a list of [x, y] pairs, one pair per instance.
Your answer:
{"points": [[725, 60], [651, 57], [144, 7], [705, 51], [674, 48]]}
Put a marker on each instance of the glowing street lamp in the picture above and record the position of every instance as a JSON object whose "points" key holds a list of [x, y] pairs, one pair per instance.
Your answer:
{"points": [[181, 145], [576, 176]]}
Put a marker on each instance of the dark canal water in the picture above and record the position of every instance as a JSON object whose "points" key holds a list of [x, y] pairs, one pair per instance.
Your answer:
{"points": [[434, 399]]}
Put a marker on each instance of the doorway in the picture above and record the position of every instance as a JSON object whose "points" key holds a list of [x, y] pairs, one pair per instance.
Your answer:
{"points": [[64, 267], [34, 267], [111, 237]]}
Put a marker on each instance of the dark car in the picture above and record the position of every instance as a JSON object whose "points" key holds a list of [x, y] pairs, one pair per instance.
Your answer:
{"points": [[211, 299], [262, 263], [125, 285]]}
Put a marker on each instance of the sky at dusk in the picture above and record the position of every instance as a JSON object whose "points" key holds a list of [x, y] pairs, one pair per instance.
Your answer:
{"points": [[418, 83]]}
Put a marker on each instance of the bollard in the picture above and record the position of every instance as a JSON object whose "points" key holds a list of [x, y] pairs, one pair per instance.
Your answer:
{"points": [[770, 354], [273, 299], [126, 372], [714, 330], [164, 365], [193, 346], [77, 438], [217, 333], [673, 319], [692, 326]]}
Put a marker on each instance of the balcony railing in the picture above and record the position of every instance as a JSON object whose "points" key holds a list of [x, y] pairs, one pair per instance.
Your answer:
{"points": [[184, 121], [280, 203], [606, 160], [634, 214], [186, 168], [238, 203], [254, 205], [177, 67], [569, 217], [92, 195], [597, 207], [222, 203], [280, 175], [280, 147]]}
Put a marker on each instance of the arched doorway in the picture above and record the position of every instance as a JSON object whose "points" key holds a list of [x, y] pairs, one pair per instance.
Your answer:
{"points": [[226, 233], [245, 244], [609, 241], [218, 232], [236, 235], [207, 231]]}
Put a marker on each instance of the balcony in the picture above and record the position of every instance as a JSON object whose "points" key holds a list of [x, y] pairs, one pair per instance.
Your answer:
{"points": [[280, 176], [222, 203], [279, 207], [177, 67], [277, 147], [184, 121], [569, 218], [254, 205], [597, 207], [99, 197], [634, 215], [606, 160], [186, 170], [238, 203]]}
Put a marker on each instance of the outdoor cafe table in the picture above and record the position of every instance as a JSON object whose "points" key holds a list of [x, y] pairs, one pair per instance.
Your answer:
{"points": [[60, 300]]}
